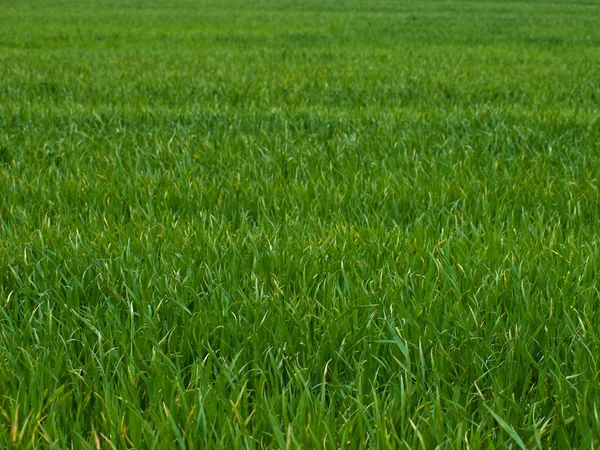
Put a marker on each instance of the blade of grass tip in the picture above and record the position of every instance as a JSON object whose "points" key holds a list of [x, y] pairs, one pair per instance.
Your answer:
{"points": [[324, 389]]}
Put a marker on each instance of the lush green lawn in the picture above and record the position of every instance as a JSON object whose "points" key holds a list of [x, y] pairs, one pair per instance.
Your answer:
{"points": [[312, 223]]}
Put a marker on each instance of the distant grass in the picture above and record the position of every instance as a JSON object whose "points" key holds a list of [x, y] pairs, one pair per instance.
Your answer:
{"points": [[317, 224]]}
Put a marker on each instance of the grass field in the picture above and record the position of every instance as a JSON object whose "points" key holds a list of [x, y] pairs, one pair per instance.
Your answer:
{"points": [[314, 223]]}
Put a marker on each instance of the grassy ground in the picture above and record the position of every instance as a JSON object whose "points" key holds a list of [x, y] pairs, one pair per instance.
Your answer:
{"points": [[316, 223]]}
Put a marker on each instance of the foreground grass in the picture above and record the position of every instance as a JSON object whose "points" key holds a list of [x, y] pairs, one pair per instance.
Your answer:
{"points": [[277, 224]]}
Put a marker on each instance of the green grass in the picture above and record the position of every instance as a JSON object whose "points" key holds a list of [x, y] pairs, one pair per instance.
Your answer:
{"points": [[315, 223]]}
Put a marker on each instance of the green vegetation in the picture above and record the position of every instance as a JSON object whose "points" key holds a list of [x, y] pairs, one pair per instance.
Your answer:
{"points": [[315, 223]]}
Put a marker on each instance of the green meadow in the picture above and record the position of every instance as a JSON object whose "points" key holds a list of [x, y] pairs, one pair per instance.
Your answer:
{"points": [[268, 224]]}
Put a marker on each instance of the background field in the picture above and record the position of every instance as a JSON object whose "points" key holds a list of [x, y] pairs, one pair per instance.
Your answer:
{"points": [[317, 223]]}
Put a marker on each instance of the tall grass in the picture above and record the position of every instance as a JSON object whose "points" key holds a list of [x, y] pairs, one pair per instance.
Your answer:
{"points": [[317, 224]]}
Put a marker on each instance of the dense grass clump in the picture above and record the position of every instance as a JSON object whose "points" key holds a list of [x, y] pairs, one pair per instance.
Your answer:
{"points": [[318, 224]]}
